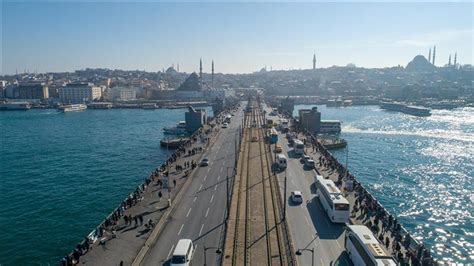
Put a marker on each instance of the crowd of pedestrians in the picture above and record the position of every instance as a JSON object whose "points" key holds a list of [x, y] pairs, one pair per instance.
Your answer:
{"points": [[369, 211]]}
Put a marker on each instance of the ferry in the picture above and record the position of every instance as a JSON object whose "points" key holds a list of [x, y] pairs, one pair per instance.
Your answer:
{"points": [[330, 127], [392, 106], [150, 106], [179, 129], [14, 106], [334, 103], [72, 108], [401, 107]]}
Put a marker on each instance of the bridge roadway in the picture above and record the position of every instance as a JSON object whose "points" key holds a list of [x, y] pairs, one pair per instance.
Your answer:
{"points": [[309, 225], [200, 215]]}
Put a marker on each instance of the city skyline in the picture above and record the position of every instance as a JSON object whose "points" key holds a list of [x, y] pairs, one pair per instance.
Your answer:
{"points": [[238, 37]]}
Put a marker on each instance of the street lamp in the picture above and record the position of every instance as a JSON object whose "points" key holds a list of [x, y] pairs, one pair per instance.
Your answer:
{"points": [[299, 252], [218, 251]]}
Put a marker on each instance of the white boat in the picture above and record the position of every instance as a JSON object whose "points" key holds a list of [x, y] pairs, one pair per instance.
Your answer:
{"points": [[330, 127], [12, 106], [179, 129], [72, 108]]}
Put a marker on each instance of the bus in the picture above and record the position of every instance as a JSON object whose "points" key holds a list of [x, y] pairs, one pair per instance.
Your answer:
{"points": [[298, 147], [364, 248], [273, 135], [335, 205]]}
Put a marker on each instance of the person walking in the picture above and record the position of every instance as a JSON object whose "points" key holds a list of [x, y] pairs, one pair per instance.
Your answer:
{"points": [[141, 219]]}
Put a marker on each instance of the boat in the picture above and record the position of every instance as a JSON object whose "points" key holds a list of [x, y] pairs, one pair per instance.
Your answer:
{"points": [[15, 106], [416, 111], [334, 103], [330, 127], [347, 103], [179, 129], [173, 143], [331, 144], [99, 105], [150, 106], [72, 108], [392, 106]]}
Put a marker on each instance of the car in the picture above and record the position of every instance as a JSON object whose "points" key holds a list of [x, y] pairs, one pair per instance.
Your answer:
{"points": [[305, 158], [309, 163], [296, 197], [205, 162], [225, 125]]}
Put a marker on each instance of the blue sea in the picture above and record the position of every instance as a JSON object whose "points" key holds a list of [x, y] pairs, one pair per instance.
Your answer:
{"points": [[419, 168], [61, 174]]}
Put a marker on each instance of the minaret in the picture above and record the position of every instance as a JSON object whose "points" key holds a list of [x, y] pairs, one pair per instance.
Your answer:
{"points": [[314, 61], [455, 59], [449, 60], [434, 54], [212, 75], [177, 67], [429, 56], [200, 67]]}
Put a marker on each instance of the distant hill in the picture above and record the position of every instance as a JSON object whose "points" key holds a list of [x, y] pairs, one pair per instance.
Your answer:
{"points": [[420, 63]]}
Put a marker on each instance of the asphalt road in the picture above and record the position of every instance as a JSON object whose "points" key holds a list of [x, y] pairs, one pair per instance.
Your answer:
{"points": [[202, 209], [309, 225]]}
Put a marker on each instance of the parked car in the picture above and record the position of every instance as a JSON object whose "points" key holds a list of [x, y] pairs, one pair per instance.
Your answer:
{"points": [[296, 197]]}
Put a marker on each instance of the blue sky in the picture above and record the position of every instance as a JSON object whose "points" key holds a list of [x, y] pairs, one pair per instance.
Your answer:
{"points": [[240, 37]]}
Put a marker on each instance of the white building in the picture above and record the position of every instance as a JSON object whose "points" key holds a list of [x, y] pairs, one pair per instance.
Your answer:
{"points": [[122, 94], [79, 93]]}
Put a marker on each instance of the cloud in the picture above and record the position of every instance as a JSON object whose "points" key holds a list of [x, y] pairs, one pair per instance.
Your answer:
{"points": [[432, 38]]}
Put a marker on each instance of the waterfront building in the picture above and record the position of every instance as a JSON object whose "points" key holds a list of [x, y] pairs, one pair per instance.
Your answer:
{"points": [[195, 118], [310, 119], [31, 91], [3, 85], [121, 94], [79, 93]]}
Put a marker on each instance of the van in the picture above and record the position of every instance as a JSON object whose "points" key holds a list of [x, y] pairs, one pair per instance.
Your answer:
{"points": [[278, 148], [183, 253], [281, 161]]}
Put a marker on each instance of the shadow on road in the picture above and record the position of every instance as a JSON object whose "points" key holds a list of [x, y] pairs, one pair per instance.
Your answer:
{"points": [[325, 228]]}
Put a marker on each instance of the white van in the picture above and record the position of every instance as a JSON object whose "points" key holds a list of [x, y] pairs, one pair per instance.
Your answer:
{"points": [[281, 161], [183, 253]]}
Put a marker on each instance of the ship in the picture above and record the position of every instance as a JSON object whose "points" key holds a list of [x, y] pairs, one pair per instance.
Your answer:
{"points": [[173, 143], [100, 105], [334, 103], [150, 106], [406, 109], [15, 106], [330, 127], [179, 129], [72, 108]]}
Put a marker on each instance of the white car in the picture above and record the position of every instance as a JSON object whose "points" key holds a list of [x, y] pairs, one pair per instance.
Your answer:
{"points": [[296, 197], [309, 163], [225, 125]]}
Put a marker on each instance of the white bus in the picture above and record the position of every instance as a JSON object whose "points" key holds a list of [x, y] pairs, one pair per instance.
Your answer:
{"points": [[298, 147], [335, 205], [364, 249]]}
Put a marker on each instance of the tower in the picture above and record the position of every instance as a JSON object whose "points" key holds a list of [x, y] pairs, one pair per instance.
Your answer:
{"points": [[434, 54], [200, 67], [314, 61], [177, 67], [455, 59], [429, 56], [212, 75], [449, 60]]}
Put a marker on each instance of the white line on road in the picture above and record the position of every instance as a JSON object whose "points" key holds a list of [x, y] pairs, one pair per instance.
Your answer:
{"points": [[189, 211], [195, 198], [179, 232], [212, 197], [200, 231], [169, 253], [222, 168], [218, 177], [307, 221], [205, 177], [208, 169], [215, 187], [200, 187], [207, 212]]}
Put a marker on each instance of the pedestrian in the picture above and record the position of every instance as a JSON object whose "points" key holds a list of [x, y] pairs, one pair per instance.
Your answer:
{"points": [[387, 242], [174, 182], [135, 218], [141, 219]]}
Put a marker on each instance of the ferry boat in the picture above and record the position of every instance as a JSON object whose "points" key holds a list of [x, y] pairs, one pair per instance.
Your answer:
{"points": [[179, 129], [173, 143], [150, 106], [400, 107], [14, 106], [392, 106], [330, 127], [99, 105], [72, 108], [334, 103]]}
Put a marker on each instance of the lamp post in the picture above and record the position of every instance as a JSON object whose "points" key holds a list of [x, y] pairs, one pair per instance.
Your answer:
{"points": [[218, 251], [299, 252], [227, 192]]}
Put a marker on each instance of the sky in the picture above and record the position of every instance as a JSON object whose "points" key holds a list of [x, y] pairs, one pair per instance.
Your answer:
{"points": [[242, 37]]}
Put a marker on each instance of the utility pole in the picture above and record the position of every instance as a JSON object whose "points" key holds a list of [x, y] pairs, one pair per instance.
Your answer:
{"points": [[284, 201]]}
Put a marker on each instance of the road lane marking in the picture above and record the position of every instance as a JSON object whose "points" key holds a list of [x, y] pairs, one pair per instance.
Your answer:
{"points": [[189, 211], [205, 177], [179, 232], [200, 187], [169, 253], [215, 187], [208, 169], [306, 218], [222, 168], [195, 198], [212, 197], [218, 177], [207, 212], [200, 231]]}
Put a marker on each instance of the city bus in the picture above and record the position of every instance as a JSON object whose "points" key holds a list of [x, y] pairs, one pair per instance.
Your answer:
{"points": [[335, 205], [364, 248], [298, 147], [273, 135]]}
